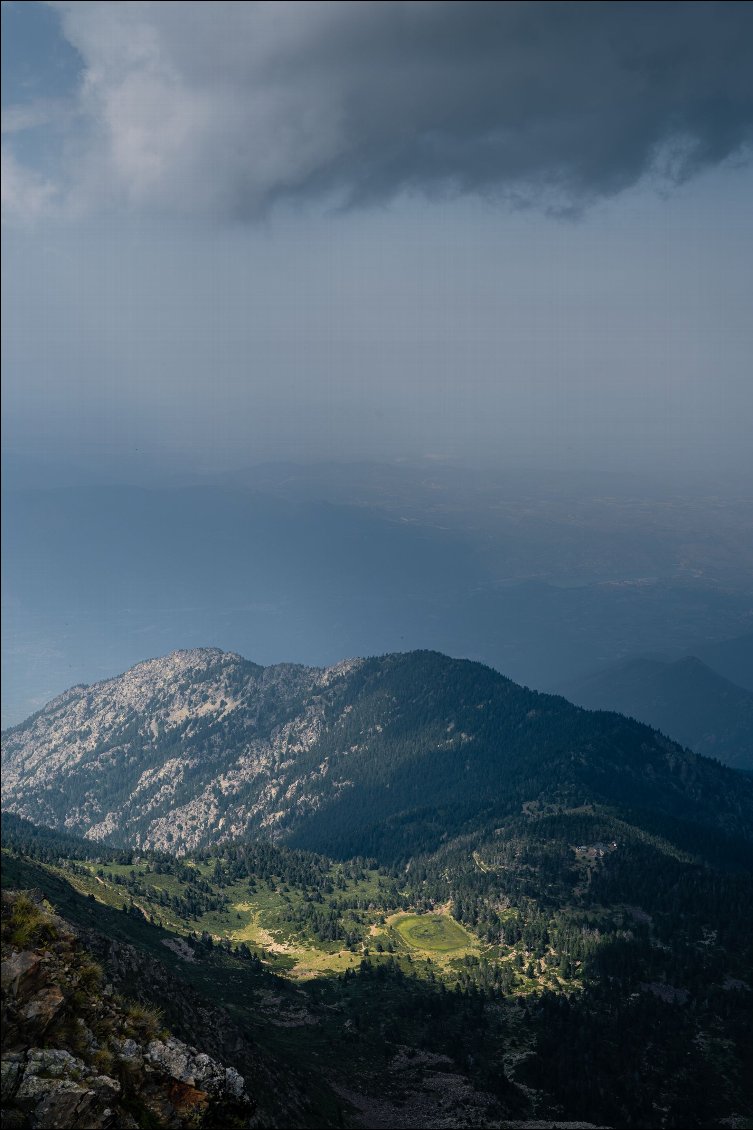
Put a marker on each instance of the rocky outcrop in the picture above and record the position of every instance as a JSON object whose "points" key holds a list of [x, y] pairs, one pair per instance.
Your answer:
{"points": [[75, 1054], [195, 1069], [49, 1087]]}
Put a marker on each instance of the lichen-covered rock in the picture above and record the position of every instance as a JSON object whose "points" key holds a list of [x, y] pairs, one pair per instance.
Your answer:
{"points": [[187, 1065], [51, 1088], [53, 1063], [128, 1052]]}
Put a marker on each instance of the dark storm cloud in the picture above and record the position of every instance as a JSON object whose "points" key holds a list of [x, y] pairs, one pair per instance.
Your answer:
{"points": [[581, 99], [227, 107]]}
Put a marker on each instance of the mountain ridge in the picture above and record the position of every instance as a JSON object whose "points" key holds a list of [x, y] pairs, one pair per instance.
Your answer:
{"points": [[378, 756], [684, 698]]}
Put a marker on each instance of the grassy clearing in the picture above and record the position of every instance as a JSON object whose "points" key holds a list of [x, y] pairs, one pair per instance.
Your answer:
{"points": [[433, 933], [303, 961]]}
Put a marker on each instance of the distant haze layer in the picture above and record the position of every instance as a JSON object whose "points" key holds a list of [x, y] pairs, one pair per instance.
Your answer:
{"points": [[548, 578]]}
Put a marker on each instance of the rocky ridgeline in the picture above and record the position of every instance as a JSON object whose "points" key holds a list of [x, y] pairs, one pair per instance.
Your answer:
{"points": [[77, 1055], [182, 736]]}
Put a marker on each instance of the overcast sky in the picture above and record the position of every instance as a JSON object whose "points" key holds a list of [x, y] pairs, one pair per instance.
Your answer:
{"points": [[514, 232]]}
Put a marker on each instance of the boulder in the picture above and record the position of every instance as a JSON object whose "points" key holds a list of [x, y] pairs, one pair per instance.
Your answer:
{"points": [[19, 970], [43, 1007]]}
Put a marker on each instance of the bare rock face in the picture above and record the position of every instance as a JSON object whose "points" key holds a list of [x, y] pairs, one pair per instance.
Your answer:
{"points": [[18, 971], [55, 1089], [103, 1060], [197, 1069], [207, 742], [43, 1008]]}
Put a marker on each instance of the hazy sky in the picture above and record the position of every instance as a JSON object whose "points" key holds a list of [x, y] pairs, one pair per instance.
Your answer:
{"points": [[513, 232]]}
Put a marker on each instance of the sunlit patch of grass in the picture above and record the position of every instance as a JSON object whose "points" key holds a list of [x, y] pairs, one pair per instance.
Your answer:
{"points": [[433, 933]]}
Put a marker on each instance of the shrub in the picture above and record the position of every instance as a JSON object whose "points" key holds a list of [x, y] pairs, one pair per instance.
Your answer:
{"points": [[104, 1061], [90, 976], [143, 1021], [28, 924]]}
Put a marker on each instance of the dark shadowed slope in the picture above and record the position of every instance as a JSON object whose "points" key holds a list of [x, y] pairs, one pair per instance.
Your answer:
{"points": [[685, 699]]}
